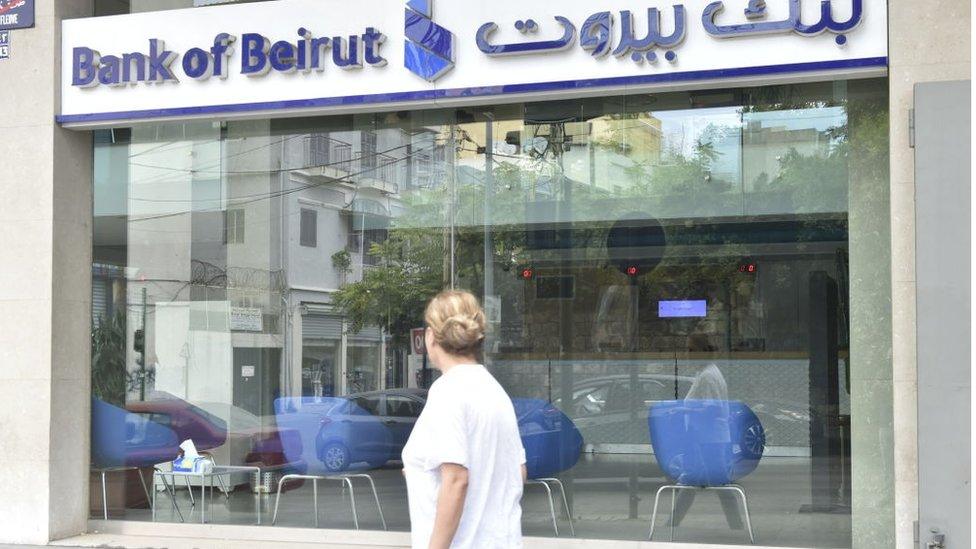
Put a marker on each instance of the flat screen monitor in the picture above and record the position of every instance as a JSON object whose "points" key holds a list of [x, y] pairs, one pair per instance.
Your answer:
{"points": [[685, 308]]}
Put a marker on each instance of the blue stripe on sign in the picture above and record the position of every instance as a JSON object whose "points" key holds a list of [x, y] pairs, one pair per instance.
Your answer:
{"points": [[423, 7], [430, 35], [423, 63], [484, 91]]}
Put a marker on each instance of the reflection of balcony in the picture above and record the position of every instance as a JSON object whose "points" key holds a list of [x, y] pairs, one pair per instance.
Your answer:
{"points": [[331, 160], [321, 150], [377, 171]]}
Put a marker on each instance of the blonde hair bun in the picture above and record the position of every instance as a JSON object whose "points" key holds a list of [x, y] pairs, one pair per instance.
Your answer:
{"points": [[457, 321]]}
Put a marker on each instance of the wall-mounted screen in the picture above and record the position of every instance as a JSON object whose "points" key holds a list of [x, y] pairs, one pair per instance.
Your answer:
{"points": [[685, 308]]}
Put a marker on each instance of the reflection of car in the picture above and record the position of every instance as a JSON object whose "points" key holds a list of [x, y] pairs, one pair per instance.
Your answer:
{"points": [[188, 421], [368, 427], [606, 410], [233, 435]]}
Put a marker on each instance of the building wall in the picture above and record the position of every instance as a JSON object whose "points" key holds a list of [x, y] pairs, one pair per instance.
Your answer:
{"points": [[928, 41], [45, 292]]}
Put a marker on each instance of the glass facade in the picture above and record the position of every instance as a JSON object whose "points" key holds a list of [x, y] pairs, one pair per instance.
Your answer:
{"points": [[256, 284]]}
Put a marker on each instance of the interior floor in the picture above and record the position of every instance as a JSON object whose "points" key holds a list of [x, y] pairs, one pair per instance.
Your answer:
{"points": [[599, 489]]}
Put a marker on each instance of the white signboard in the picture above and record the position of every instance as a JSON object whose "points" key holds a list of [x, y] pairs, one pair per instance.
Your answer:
{"points": [[246, 319], [319, 56]]}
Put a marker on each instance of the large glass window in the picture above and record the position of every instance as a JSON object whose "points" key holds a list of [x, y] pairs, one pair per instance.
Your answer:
{"points": [[666, 278]]}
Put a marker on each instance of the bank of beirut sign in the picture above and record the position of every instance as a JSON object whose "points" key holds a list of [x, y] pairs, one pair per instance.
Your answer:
{"points": [[319, 56]]}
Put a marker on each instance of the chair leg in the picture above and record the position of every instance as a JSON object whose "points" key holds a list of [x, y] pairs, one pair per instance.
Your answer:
{"points": [[223, 487], [171, 490], [203, 500], [281, 482], [315, 500], [352, 502], [376, 497], [189, 489], [152, 505], [552, 508], [145, 488], [674, 494], [745, 508], [104, 497], [657, 498], [569, 515]]}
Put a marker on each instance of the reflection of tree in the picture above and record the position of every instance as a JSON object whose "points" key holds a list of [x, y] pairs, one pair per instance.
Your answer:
{"points": [[110, 377], [393, 294], [808, 186], [109, 373]]}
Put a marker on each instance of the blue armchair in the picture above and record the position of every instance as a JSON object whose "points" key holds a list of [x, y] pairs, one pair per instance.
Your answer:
{"points": [[552, 445], [705, 445]]}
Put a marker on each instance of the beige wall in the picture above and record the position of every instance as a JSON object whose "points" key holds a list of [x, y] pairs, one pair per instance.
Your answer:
{"points": [[928, 41], [45, 251]]}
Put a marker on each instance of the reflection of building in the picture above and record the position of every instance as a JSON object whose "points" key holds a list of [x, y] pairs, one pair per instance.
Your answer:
{"points": [[243, 286], [597, 152]]}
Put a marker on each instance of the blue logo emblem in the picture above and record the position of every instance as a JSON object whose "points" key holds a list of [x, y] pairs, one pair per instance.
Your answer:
{"points": [[429, 47]]}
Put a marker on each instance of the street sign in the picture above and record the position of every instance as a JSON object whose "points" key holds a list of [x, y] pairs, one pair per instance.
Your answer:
{"points": [[417, 346], [16, 14]]}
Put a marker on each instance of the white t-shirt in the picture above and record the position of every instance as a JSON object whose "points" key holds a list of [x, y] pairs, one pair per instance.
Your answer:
{"points": [[470, 421]]}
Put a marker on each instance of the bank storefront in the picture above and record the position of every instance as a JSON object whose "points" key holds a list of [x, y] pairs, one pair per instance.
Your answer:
{"points": [[675, 215]]}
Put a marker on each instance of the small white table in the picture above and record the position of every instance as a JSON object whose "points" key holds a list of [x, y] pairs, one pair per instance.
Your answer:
{"points": [[206, 479]]}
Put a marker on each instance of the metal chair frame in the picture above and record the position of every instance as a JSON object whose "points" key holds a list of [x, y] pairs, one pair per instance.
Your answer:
{"points": [[171, 491], [220, 481], [544, 482], [104, 472], [346, 480], [674, 490]]}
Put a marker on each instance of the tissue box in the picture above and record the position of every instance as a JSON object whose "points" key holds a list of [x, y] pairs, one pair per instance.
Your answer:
{"points": [[193, 465]]}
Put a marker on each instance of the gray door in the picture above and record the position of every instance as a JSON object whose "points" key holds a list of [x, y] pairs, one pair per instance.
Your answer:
{"points": [[943, 240]]}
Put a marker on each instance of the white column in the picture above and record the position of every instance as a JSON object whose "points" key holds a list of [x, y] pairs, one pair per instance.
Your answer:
{"points": [[45, 292]]}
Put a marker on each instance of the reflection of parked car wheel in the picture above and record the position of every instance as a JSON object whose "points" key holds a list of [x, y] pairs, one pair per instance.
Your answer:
{"points": [[335, 457], [754, 439]]}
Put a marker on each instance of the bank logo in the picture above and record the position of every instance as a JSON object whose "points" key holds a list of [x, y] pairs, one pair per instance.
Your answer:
{"points": [[429, 47]]}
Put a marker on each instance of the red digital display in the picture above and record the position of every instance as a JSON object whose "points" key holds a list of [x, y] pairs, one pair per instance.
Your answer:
{"points": [[749, 268], [526, 274], [632, 271]]}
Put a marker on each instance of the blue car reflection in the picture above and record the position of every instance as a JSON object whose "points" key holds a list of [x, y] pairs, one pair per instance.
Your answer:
{"points": [[360, 431], [367, 430]]}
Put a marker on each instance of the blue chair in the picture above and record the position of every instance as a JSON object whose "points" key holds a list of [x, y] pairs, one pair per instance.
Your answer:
{"points": [[705, 445], [552, 445], [123, 441]]}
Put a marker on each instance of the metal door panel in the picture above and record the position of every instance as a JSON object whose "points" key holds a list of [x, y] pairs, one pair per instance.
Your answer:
{"points": [[943, 242]]}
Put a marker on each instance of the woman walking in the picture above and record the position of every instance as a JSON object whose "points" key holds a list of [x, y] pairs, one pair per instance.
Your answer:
{"points": [[464, 463]]}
